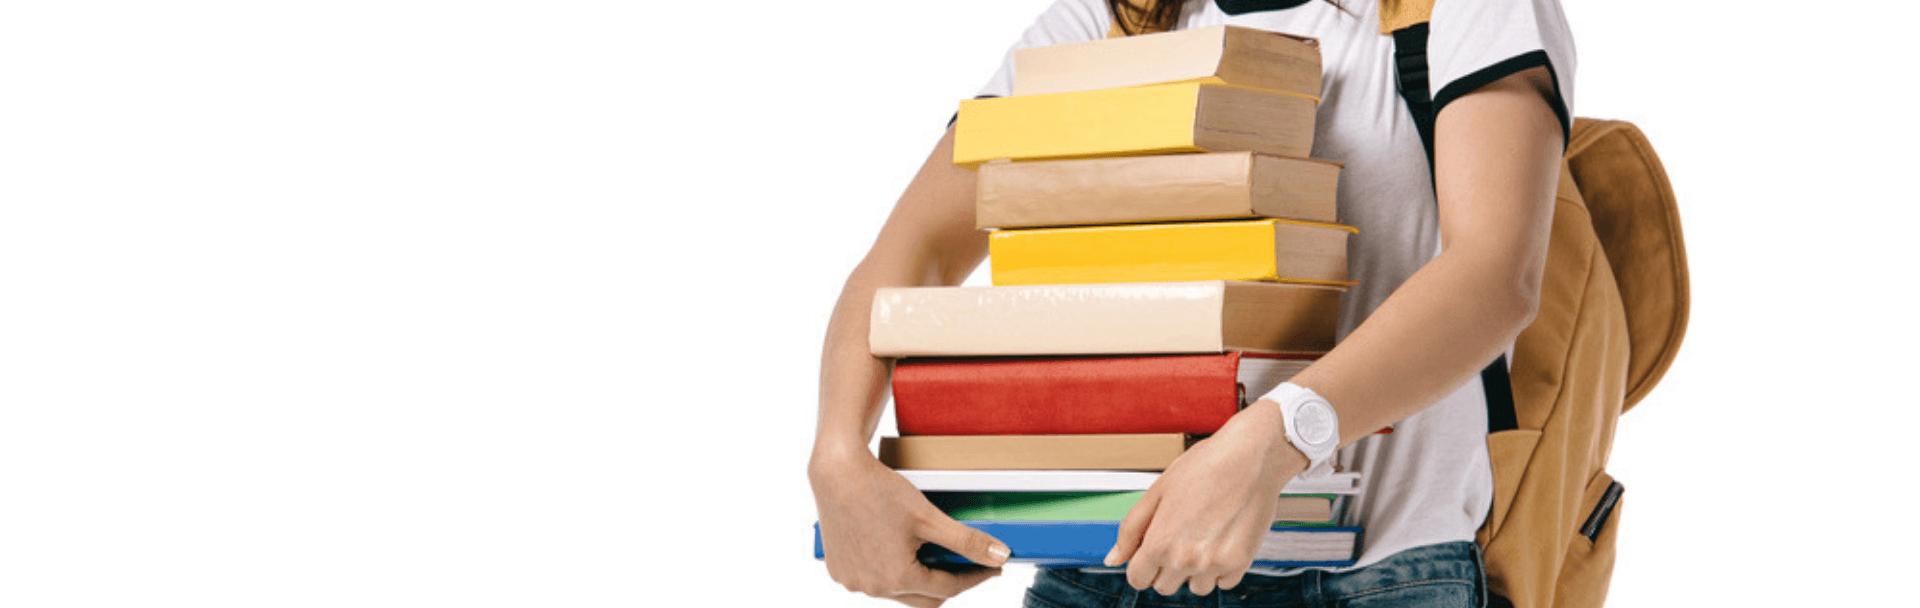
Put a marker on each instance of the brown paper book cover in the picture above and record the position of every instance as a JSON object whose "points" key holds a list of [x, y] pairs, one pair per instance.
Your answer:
{"points": [[1236, 55], [1152, 452], [1157, 188], [1104, 318]]}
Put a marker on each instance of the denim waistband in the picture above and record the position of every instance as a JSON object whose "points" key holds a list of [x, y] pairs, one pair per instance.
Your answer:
{"points": [[1454, 567]]}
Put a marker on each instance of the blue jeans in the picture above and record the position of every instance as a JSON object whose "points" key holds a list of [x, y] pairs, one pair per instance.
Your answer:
{"points": [[1446, 574]]}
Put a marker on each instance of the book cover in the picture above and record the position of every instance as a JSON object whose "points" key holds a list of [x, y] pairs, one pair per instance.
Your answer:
{"points": [[1158, 119], [1235, 55], [1250, 250], [1104, 319], [1135, 452], [1158, 188], [1191, 394], [1294, 509], [1343, 483], [1086, 543]]}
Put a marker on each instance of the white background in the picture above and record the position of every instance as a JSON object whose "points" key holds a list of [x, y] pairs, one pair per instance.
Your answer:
{"points": [[410, 303]]}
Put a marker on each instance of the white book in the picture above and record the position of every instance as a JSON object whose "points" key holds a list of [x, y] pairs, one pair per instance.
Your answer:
{"points": [[1103, 319], [1091, 481]]}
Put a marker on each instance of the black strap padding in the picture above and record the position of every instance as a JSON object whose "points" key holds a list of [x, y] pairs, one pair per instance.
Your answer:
{"points": [[1499, 388], [1410, 61]]}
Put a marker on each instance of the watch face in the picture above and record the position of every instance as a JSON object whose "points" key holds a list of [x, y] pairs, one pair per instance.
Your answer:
{"points": [[1314, 422]]}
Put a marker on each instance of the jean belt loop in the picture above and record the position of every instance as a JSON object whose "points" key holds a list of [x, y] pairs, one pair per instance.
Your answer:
{"points": [[1312, 588]]}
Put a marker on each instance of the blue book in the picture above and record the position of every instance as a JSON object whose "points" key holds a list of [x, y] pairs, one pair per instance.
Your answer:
{"points": [[1082, 544]]}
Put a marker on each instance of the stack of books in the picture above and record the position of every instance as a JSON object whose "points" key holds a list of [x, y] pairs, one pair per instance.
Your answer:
{"points": [[1162, 252]]}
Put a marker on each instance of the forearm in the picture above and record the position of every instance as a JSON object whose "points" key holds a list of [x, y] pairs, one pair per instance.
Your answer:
{"points": [[1420, 344], [928, 240], [1497, 159], [853, 382]]}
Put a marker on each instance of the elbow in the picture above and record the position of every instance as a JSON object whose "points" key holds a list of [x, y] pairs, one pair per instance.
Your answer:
{"points": [[1520, 302]]}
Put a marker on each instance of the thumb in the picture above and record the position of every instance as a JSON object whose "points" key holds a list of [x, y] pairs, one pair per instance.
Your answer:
{"points": [[976, 546], [1133, 528]]}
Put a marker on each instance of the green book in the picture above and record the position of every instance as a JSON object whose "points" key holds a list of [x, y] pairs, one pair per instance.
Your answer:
{"points": [[1293, 509]]}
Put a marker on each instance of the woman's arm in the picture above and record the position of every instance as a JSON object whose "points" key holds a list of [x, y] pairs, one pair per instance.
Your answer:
{"points": [[1497, 157], [871, 520], [1496, 162]]}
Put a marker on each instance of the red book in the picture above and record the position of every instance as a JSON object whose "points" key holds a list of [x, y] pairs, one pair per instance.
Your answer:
{"points": [[1190, 394]]}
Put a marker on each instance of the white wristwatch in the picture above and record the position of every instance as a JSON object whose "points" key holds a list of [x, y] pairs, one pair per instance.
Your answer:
{"points": [[1311, 424]]}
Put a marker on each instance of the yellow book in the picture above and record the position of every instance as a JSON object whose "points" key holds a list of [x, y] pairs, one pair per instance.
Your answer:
{"points": [[1259, 250], [1159, 119]]}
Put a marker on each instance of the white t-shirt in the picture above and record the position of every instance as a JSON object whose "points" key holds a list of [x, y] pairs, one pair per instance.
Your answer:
{"points": [[1430, 481]]}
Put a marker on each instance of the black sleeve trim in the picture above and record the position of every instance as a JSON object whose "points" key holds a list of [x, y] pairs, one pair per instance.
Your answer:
{"points": [[1512, 65], [956, 115]]}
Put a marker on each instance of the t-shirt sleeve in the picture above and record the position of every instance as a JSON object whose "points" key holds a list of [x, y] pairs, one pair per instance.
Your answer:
{"points": [[1474, 42]]}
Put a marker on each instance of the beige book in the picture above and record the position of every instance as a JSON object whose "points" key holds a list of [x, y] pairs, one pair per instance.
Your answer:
{"points": [[1303, 508], [1236, 55], [1150, 452], [1158, 188], [1104, 318]]}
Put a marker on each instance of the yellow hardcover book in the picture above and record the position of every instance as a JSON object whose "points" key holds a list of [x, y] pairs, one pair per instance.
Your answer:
{"points": [[1259, 250], [1159, 119]]}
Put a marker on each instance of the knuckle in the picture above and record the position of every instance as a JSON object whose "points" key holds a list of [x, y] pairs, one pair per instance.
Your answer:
{"points": [[1184, 559], [1221, 563]]}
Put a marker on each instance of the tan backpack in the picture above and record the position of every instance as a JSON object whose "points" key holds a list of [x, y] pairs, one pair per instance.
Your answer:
{"points": [[1613, 309]]}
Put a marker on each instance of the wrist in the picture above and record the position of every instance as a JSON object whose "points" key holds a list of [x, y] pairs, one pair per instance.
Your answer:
{"points": [[830, 457], [1310, 425], [1278, 453]]}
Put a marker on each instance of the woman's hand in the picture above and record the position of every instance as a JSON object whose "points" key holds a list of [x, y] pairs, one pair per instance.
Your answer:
{"points": [[1202, 521], [871, 524]]}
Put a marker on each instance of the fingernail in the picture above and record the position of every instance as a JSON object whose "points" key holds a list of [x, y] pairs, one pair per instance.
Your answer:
{"points": [[1112, 554], [999, 552]]}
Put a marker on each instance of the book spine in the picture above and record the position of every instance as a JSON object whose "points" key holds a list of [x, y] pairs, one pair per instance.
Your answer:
{"points": [[1291, 509], [1047, 320], [1257, 250], [1191, 394], [1344, 483], [1160, 188], [1085, 544], [1140, 452], [1108, 122]]}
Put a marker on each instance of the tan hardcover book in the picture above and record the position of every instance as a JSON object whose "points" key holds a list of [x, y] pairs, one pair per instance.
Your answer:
{"points": [[1104, 318], [1235, 55], [1303, 508], [1033, 452], [1159, 119], [1158, 188]]}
